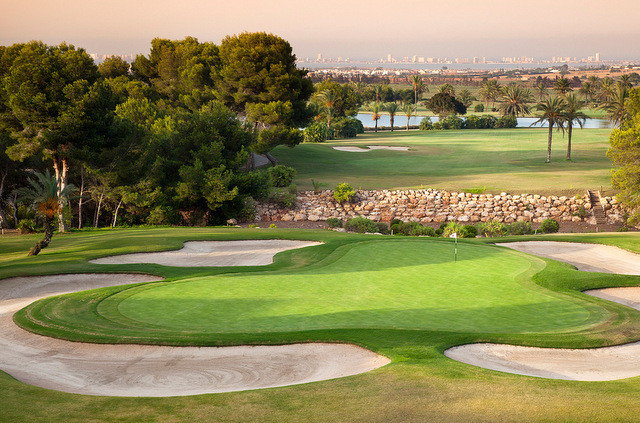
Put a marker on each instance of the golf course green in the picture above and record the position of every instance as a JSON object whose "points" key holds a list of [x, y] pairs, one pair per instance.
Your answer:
{"points": [[405, 298]]}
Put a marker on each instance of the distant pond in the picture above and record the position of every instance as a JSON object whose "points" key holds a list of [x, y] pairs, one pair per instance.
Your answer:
{"points": [[401, 121]]}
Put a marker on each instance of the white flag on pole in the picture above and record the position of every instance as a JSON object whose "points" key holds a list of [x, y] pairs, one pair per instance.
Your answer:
{"points": [[454, 235]]}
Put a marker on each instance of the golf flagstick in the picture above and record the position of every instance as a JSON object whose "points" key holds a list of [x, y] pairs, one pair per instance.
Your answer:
{"points": [[455, 246]]}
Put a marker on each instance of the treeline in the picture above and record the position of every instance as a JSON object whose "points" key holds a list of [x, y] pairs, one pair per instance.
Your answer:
{"points": [[167, 139]]}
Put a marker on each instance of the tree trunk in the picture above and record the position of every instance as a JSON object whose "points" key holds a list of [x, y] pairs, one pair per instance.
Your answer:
{"points": [[97, 215], [376, 125], [61, 167], [392, 119], [48, 234], [4, 223], [115, 214], [549, 143], [569, 130], [81, 194], [273, 160], [13, 202]]}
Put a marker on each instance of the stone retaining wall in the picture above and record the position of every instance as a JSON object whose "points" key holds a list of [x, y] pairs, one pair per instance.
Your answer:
{"points": [[435, 206]]}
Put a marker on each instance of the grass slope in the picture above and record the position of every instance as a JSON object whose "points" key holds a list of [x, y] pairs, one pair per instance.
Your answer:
{"points": [[511, 160], [420, 385]]}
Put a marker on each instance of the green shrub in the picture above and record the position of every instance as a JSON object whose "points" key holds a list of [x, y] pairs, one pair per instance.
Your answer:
{"points": [[281, 176], [361, 225], [479, 108], [317, 186], [581, 212], [343, 192], [316, 132], [549, 226], [468, 231], [26, 226], [520, 228], [507, 122], [395, 222], [382, 228], [347, 127], [334, 222], [256, 184], [283, 197], [425, 124], [273, 226], [413, 229], [451, 228], [452, 122], [493, 228]]}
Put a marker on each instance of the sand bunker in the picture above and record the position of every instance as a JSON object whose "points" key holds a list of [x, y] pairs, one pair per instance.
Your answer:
{"points": [[213, 253], [155, 371], [597, 364], [370, 148]]}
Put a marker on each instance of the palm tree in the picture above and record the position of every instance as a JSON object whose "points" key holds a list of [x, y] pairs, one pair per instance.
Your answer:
{"points": [[626, 80], [328, 99], [595, 81], [490, 91], [418, 87], [514, 101], [562, 86], [572, 114], [606, 89], [392, 108], [553, 113], [542, 91], [615, 105], [45, 195], [587, 90], [408, 111], [377, 89], [465, 97], [375, 114], [448, 89]]}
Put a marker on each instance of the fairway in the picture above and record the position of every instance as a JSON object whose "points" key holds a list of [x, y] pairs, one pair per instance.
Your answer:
{"points": [[416, 285], [509, 160]]}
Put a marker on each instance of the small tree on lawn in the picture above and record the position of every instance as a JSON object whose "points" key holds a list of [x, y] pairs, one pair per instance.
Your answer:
{"points": [[47, 199]]}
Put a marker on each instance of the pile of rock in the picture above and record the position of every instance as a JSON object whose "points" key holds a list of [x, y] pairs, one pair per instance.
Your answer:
{"points": [[430, 205]]}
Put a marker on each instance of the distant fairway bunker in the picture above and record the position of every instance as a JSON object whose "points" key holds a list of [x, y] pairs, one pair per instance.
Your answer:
{"points": [[370, 148], [596, 364], [213, 253]]}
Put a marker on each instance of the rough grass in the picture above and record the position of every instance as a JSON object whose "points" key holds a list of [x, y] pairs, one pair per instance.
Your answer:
{"points": [[509, 160], [420, 384]]}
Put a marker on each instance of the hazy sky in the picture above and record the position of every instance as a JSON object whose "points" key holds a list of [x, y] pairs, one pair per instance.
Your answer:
{"points": [[347, 28]]}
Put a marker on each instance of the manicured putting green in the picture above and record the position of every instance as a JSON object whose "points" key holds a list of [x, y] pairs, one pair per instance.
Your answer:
{"points": [[404, 284]]}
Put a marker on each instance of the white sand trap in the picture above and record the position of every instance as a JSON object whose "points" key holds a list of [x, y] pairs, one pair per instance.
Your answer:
{"points": [[370, 148], [155, 371], [596, 364], [213, 253]]}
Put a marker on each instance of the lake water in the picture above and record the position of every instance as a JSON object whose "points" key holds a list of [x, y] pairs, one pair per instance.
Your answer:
{"points": [[401, 121]]}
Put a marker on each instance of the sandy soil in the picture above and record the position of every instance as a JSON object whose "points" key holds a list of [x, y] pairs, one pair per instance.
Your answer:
{"points": [[213, 253], [596, 364], [156, 371], [370, 148]]}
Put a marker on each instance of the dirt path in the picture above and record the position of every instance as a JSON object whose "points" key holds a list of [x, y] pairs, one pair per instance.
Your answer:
{"points": [[155, 371], [597, 364]]}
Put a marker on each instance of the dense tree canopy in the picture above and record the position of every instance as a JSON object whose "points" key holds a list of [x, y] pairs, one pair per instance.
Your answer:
{"points": [[150, 142], [625, 154], [444, 104], [259, 75]]}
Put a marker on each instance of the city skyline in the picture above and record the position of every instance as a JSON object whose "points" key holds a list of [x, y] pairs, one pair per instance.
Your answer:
{"points": [[357, 29]]}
